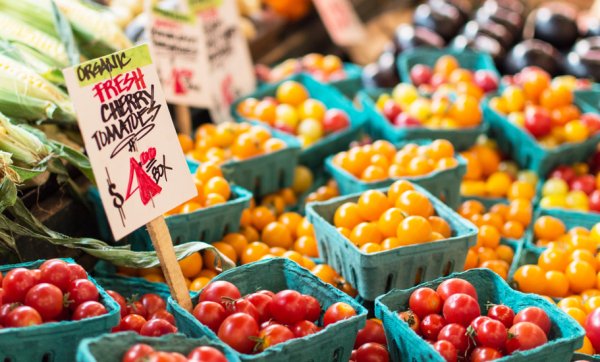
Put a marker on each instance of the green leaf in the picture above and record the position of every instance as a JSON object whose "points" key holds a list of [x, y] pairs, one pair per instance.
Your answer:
{"points": [[8, 193], [74, 157], [63, 28]]}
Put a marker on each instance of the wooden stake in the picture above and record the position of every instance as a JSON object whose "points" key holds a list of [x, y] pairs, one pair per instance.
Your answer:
{"points": [[161, 239], [183, 119]]}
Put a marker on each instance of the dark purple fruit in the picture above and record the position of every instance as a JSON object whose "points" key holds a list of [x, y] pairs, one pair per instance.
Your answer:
{"points": [[515, 6], [556, 24], [533, 52], [409, 37], [584, 60], [443, 19], [493, 30], [482, 43], [492, 12], [464, 7], [383, 73]]}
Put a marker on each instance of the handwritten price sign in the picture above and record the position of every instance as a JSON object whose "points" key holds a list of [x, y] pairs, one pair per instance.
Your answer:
{"points": [[179, 52], [341, 21], [129, 136], [230, 63]]}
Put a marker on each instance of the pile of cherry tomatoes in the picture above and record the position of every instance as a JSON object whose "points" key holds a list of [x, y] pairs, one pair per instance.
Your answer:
{"points": [[262, 319], [143, 352], [450, 319], [378, 222], [574, 187], [147, 315], [293, 111], [381, 160], [545, 109], [56, 291]]}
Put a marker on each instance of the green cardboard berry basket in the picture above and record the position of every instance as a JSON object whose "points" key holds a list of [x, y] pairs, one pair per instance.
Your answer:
{"points": [[313, 155], [444, 184], [55, 341], [263, 174], [333, 343], [467, 59], [207, 224], [377, 273], [565, 335], [527, 152], [112, 347], [380, 128]]}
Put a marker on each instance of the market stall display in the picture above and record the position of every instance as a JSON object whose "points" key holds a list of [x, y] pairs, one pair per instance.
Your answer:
{"points": [[439, 204]]}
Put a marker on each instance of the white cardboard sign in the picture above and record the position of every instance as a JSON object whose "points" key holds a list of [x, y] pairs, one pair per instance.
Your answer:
{"points": [[179, 53], [231, 68], [341, 21], [129, 136]]}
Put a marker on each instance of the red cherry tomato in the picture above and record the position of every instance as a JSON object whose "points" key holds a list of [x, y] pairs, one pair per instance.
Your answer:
{"points": [[211, 314], [153, 303], [304, 328], [77, 271], [335, 120], [454, 286], [461, 308], [484, 354], [313, 308], [120, 301], [526, 336], [80, 291], [536, 316], [23, 316], [592, 327], [243, 306], [273, 335], [447, 350], [136, 307], [87, 310], [239, 331], [261, 302], [132, 322], [157, 328], [478, 321], [206, 354], [163, 314], [372, 332], [410, 318], [4, 310], [287, 307], [57, 272], [47, 299], [425, 301], [457, 335], [502, 313], [15, 284], [372, 352], [538, 121], [491, 333], [219, 291], [138, 352], [337, 312], [420, 74], [431, 326]]}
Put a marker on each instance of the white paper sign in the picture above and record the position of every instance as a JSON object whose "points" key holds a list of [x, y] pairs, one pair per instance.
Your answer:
{"points": [[231, 68], [341, 21], [179, 53], [129, 136]]}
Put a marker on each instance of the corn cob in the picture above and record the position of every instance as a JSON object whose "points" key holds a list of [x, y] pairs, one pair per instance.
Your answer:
{"points": [[24, 83], [14, 29], [99, 23], [24, 147]]}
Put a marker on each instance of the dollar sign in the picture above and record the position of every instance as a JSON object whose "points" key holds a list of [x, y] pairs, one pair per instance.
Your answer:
{"points": [[117, 198]]}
